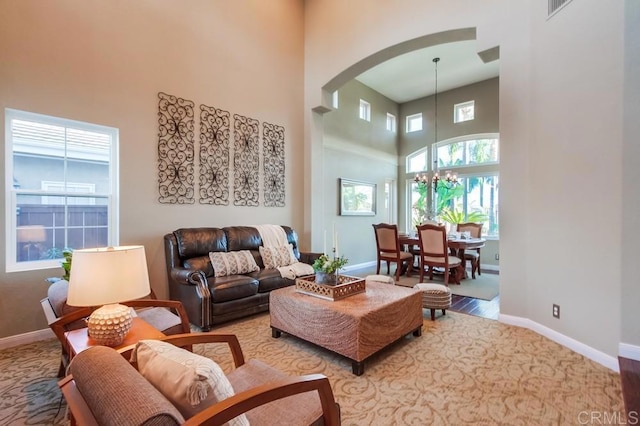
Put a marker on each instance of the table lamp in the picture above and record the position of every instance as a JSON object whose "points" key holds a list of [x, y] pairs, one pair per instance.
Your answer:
{"points": [[106, 276]]}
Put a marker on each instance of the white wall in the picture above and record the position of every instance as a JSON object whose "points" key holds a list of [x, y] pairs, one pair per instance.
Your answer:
{"points": [[560, 127], [105, 61]]}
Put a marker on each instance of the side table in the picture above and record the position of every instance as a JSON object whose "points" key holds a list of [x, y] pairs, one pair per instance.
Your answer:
{"points": [[79, 340]]}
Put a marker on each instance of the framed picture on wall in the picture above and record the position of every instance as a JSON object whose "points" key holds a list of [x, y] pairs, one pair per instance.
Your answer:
{"points": [[357, 198]]}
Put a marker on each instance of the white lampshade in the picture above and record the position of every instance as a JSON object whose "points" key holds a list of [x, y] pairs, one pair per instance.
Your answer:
{"points": [[107, 275]]}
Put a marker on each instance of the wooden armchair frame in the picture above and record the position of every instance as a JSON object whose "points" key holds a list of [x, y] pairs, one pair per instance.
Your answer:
{"points": [[61, 325], [223, 411]]}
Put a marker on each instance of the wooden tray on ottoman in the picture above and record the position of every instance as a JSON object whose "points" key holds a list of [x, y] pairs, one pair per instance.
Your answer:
{"points": [[347, 286]]}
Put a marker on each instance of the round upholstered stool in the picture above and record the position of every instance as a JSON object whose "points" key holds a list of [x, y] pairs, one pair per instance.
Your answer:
{"points": [[384, 279], [435, 296]]}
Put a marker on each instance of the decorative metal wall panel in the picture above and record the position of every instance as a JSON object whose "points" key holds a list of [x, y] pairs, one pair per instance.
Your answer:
{"points": [[214, 156], [175, 150], [273, 151], [245, 161]]}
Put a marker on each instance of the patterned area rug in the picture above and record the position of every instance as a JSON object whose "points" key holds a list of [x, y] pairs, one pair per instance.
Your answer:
{"points": [[462, 370], [485, 286]]}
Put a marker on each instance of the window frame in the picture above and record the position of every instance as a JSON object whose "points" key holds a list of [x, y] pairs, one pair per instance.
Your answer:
{"points": [[460, 106], [421, 152], [410, 118], [466, 138], [11, 193], [364, 112], [392, 122]]}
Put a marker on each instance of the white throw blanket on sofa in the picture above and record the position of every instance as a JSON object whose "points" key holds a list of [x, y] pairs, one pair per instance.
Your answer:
{"points": [[274, 236]]}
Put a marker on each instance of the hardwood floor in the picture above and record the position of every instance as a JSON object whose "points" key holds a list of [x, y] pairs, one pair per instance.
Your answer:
{"points": [[481, 308], [478, 307]]}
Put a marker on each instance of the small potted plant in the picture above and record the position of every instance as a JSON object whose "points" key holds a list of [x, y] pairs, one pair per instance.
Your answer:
{"points": [[327, 269]]}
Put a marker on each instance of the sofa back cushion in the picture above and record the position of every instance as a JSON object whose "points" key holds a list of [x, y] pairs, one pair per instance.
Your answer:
{"points": [[117, 393], [195, 242]]}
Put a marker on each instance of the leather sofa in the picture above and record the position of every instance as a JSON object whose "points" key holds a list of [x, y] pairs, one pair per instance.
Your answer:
{"points": [[211, 300]]}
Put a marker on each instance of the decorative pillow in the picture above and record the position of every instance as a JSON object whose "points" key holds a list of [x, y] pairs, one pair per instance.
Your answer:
{"points": [[232, 263], [275, 257], [190, 381]]}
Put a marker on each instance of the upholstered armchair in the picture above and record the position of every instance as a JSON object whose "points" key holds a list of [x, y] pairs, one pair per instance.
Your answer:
{"points": [[167, 316], [103, 388]]}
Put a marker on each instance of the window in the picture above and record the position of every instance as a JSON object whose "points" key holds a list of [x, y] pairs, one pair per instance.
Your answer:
{"points": [[476, 198], [365, 110], [417, 162], [64, 188], [334, 100], [463, 112], [414, 122], [467, 152], [391, 122]]}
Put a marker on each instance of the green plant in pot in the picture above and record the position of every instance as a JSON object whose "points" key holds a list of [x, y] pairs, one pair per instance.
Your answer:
{"points": [[327, 269], [67, 254], [458, 216]]}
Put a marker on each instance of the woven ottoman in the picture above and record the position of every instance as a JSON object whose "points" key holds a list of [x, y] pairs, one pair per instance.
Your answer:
{"points": [[435, 296]]}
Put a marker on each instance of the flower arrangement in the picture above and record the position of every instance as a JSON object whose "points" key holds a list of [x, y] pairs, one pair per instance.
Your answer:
{"points": [[329, 266]]}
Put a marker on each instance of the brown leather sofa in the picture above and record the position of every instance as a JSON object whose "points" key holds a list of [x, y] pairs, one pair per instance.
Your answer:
{"points": [[211, 300]]}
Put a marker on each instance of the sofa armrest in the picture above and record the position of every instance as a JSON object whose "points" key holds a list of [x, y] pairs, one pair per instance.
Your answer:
{"points": [[242, 402], [181, 275], [309, 258]]}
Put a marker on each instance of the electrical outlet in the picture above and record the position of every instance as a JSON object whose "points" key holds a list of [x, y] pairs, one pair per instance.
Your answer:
{"points": [[556, 311], [497, 256]]}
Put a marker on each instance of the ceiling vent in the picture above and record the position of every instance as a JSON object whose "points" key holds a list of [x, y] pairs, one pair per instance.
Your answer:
{"points": [[555, 6]]}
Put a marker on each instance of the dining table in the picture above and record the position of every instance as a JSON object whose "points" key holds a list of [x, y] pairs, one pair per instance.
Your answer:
{"points": [[457, 244]]}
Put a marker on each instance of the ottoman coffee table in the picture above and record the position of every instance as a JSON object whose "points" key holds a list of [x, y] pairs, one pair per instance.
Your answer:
{"points": [[356, 327]]}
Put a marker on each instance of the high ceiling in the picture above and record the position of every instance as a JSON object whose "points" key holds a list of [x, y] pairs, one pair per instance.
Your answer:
{"points": [[412, 75]]}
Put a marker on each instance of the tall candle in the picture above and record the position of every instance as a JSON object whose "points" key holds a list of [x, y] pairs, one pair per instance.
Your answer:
{"points": [[324, 250], [336, 244]]}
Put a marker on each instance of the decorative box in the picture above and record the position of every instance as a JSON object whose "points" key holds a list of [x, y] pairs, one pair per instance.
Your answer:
{"points": [[347, 286]]}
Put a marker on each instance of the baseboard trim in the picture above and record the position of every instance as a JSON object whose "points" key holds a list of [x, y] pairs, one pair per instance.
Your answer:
{"points": [[626, 350], [593, 354], [22, 339], [495, 268]]}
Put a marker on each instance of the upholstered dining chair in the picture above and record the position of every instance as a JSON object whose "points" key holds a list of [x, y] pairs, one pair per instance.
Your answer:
{"points": [[435, 254], [389, 249], [475, 229]]}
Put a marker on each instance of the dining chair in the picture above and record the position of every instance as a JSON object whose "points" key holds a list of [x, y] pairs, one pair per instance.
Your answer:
{"points": [[475, 230], [389, 249], [435, 254]]}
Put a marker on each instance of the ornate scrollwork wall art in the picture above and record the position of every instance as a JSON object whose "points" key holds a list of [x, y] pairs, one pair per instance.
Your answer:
{"points": [[214, 156], [245, 161], [175, 150], [273, 151]]}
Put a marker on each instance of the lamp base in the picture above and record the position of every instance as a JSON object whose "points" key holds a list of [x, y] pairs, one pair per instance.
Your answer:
{"points": [[109, 324]]}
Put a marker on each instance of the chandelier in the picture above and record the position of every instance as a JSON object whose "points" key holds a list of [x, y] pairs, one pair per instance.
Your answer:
{"points": [[450, 180]]}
